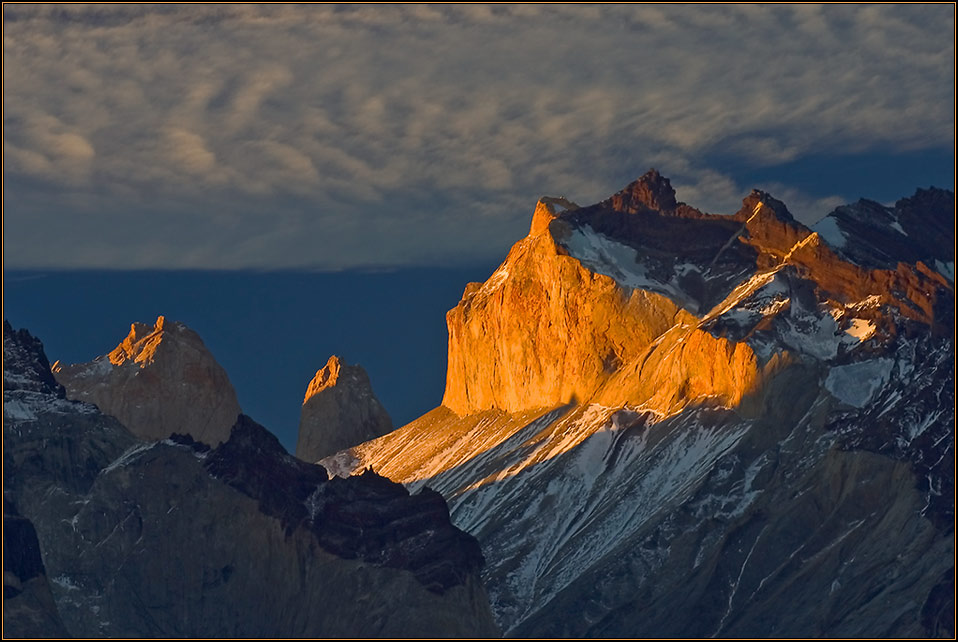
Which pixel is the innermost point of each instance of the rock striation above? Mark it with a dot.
(339, 411)
(159, 380)
(173, 538)
(652, 411)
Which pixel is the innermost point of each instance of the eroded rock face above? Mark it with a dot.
(174, 539)
(160, 380)
(339, 411)
(652, 411)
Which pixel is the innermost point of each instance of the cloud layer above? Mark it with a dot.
(335, 137)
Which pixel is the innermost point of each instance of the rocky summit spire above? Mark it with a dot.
(545, 212)
(161, 379)
(23, 354)
(651, 191)
(339, 411)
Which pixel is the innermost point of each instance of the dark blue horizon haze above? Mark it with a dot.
(271, 331)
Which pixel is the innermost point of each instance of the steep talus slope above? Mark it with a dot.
(159, 380)
(172, 538)
(340, 410)
(651, 411)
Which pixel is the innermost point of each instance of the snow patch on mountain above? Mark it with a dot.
(619, 261)
(495, 281)
(812, 333)
(27, 405)
(16, 410)
(947, 270)
(829, 230)
(129, 456)
(610, 469)
(856, 383)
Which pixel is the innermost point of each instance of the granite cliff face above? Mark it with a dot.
(173, 538)
(599, 295)
(652, 411)
(160, 380)
(339, 411)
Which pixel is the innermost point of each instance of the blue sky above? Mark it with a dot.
(335, 141)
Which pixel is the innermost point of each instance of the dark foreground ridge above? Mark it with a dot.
(174, 539)
(365, 517)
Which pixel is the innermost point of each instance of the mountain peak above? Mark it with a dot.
(651, 191)
(328, 376)
(919, 228)
(161, 379)
(143, 340)
(760, 200)
(545, 212)
(339, 410)
(25, 365)
(627, 384)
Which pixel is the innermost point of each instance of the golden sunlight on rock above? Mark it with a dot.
(159, 380)
(326, 377)
(546, 330)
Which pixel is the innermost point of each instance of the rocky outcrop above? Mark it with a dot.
(652, 411)
(28, 607)
(174, 538)
(160, 380)
(651, 191)
(339, 411)
(26, 372)
(875, 236)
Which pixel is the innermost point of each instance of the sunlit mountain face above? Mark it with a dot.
(651, 408)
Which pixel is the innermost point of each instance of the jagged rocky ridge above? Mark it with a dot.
(172, 538)
(159, 380)
(340, 410)
(652, 411)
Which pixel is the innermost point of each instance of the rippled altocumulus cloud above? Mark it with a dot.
(330, 136)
